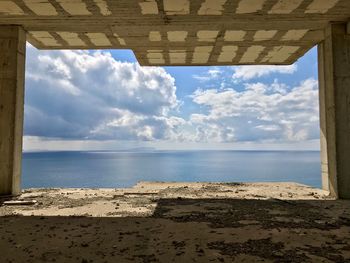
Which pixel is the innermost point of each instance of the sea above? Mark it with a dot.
(88, 169)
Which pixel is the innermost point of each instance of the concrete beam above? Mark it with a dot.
(168, 32)
(12, 68)
(334, 78)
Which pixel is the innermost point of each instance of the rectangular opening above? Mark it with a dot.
(98, 119)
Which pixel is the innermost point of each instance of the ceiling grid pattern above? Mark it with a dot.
(180, 32)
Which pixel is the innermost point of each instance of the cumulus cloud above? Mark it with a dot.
(211, 74)
(251, 72)
(260, 112)
(90, 95)
(81, 95)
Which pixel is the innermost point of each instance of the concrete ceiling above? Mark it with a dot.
(180, 32)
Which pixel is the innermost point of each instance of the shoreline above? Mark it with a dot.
(144, 195)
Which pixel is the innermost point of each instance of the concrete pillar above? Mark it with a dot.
(12, 67)
(334, 78)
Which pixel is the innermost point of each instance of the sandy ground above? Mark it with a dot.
(177, 222)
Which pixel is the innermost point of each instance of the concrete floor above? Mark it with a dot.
(177, 222)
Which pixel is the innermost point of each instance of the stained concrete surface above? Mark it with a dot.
(180, 32)
(177, 222)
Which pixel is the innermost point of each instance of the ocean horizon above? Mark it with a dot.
(124, 168)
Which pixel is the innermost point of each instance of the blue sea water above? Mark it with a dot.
(125, 169)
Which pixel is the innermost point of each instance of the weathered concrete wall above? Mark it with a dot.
(334, 76)
(12, 66)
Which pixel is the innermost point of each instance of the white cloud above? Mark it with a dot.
(211, 74)
(251, 72)
(90, 95)
(259, 112)
(80, 95)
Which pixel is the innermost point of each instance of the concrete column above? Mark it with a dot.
(12, 67)
(334, 78)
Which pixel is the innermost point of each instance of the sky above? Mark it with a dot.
(104, 100)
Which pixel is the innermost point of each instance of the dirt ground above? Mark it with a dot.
(177, 222)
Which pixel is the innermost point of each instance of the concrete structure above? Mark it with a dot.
(334, 78)
(184, 32)
(12, 61)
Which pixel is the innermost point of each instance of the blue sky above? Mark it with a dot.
(103, 100)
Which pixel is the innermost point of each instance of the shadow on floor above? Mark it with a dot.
(187, 230)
